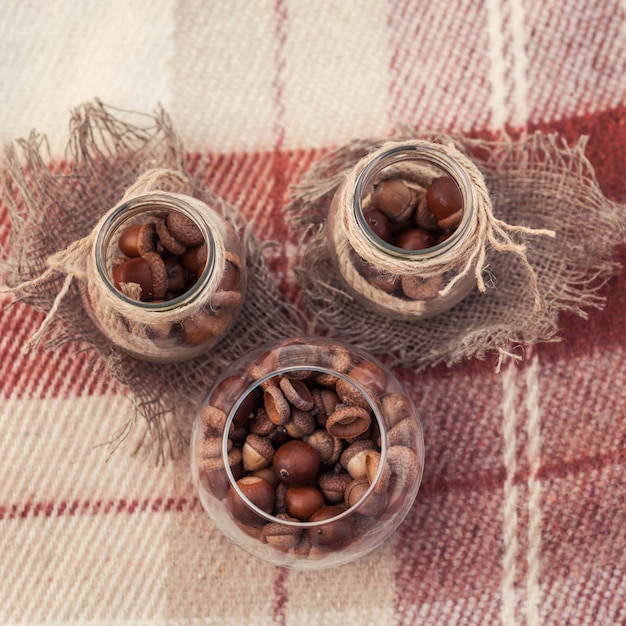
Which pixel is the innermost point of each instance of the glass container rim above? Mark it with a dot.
(394, 155)
(255, 384)
(155, 202)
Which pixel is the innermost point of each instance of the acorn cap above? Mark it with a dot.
(404, 464)
(256, 453)
(373, 505)
(333, 485)
(282, 536)
(212, 322)
(340, 359)
(184, 229)
(326, 400)
(261, 424)
(423, 216)
(349, 394)
(325, 379)
(297, 393)
(372, 463)
(353, 457)
(276, 405)
(300, 424)
(214, 463)
(159, 274)
(417, 288)
(213, 419)
(404, 431)
(211, 447)
(328, 447)
(348, 422)
(394, 407)
(452, 221)
(168, 240)
(145, 238)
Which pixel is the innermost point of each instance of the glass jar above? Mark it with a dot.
(166, 277)
(307, 453)
(402, 229)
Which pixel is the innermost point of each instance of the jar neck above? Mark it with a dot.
(138, 210)
(424, 158)
(272, 372)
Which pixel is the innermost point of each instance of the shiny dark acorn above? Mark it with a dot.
(256, 490)
(443, 197)
(176, 278)
(415, 239)
(302, 502)
(136, 270)
(334, 534)
(378, 223)
(296, 463)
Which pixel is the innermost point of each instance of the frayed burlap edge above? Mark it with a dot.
(535, 183)
(54, 205)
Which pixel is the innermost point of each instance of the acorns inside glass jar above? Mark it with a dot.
(307, 453)
(169, 277)
(399, 228)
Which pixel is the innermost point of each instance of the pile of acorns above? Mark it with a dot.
(409, 218)
(164, 257)
(161, 259)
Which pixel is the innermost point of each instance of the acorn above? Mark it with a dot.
(296, 463)
(302, 502)
(332, 535)
(256, 490)
(184, 229)
(148, 271)
(333, 485)
(373, 505)
(257, 453)
(137, 239)
(395, 199)
(282, 536)
(443, 197)
(348, 421)
(353, 457)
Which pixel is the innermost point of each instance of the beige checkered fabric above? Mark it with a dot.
(521, 518)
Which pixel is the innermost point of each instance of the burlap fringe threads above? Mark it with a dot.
(535, 196)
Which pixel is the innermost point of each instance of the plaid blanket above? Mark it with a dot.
(521, 518)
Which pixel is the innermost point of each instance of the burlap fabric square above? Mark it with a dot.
(543, 243)
(53, 211)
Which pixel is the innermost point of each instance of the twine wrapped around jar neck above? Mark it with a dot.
(467, 255)
(158, 179)
(114, 312)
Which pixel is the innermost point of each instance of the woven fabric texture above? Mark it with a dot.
(521, 518)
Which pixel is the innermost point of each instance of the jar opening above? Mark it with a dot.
(251, 389)
(138, 211)
(416, 166)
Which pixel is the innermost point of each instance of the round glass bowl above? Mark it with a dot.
(167, 277)
(398, 227)
(307, 453)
